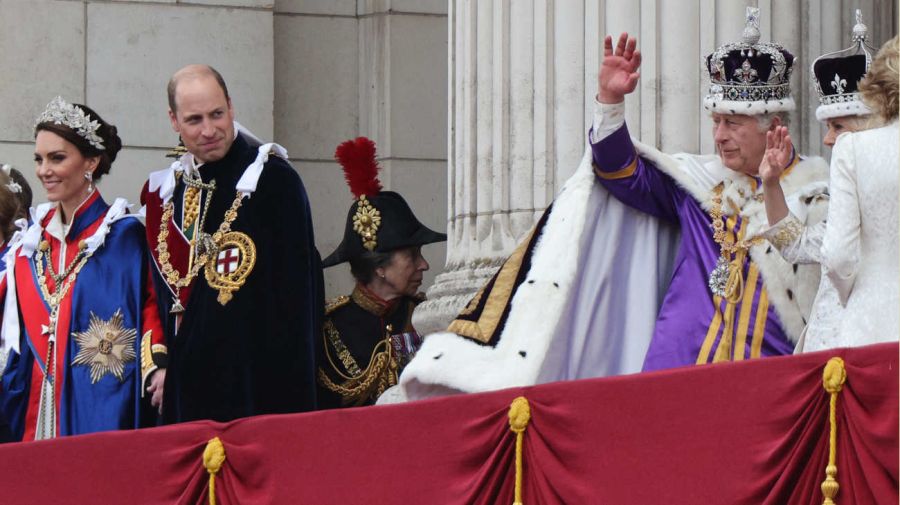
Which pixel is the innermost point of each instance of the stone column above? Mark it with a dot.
(517, 87)
(522, 77)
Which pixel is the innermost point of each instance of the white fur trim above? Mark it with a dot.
(792, 288)
(517, 359)
(807, 195)
(448, 363)
(832, 110)
(749, 108)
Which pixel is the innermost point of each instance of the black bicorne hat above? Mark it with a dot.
(836, 76)
(378, 221)
(749, 77)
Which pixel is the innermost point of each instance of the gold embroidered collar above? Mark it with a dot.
(371, 302)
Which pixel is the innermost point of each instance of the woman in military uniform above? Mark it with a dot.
(368, 337)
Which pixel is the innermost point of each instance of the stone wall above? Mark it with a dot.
(306, 73)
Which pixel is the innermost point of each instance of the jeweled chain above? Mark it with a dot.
(162, 248)
(57, 278)
(718, 226)
(62, 284)
(68, 277)
(721, 276)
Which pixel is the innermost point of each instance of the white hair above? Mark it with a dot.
(765, 120)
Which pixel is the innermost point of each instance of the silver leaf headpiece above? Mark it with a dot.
(59, 111)
(13, 186)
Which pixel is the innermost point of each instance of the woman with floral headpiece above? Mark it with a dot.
(80, 315)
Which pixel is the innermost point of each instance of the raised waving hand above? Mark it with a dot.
(619, 71)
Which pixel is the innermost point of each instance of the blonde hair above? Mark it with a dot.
(879, 88)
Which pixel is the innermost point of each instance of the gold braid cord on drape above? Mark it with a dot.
(758, 431)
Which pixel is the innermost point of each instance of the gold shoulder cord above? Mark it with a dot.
(360, 385)
(336, 303)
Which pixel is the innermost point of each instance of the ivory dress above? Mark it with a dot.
(860, 249)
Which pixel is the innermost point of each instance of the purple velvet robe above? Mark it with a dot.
(689, 327)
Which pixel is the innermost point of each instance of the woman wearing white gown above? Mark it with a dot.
(861, 248)
(836, 77)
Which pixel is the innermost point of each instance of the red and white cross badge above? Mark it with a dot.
(228, 260)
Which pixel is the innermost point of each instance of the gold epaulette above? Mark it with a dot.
(177, 151)
(336, 303)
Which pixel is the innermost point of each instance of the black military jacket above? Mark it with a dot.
(366, 342)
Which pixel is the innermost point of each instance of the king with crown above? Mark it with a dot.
(731, 295)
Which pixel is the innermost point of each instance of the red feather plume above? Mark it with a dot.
(357, 157)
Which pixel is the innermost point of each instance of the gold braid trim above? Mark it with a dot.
(334, 338)
(833, 378)
(380, 374)
(371, 385)
(147, 365)
(789, 230)
(336, 303)
(191, 207)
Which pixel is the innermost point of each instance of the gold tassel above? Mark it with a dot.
(213, 458)
(833, 379)
(519, 416)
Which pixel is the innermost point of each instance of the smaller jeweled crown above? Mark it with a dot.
(836, 76)
(749, 77)
(59, 111)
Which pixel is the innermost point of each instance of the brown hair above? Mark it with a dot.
(879, 88)
(13, 205)
(112, 144)
(194, 71)
(363, 267)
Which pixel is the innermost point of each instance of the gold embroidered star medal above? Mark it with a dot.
(366, 222)
(105, 347)
(233, 264)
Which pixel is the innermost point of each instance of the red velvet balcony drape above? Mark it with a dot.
(752, 432)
